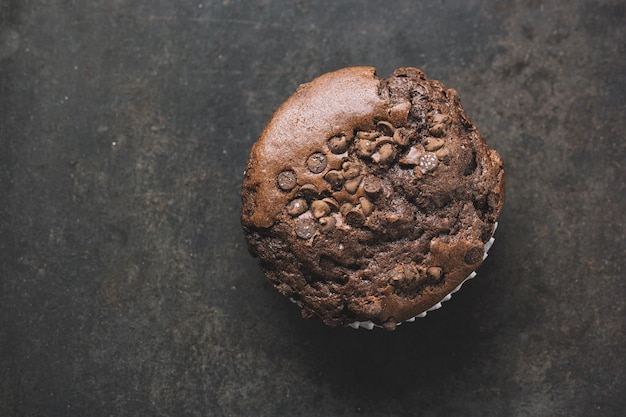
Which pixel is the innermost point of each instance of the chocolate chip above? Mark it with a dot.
(367, 135)
(334, 178)
(338, 144)
(366, 205)
(441, 118)
(306, 228)
(352, 185)
(401, 137)
(319, 209)
(372, 186)
(286, 180)
(442, 153)
(397, 274)
(404, 274)
(345, 208)
(428, 162)
(474, 255)
(365, 148)
(432, 144)
(437, 129)
(385, 154)
(434, 273)
(383, 140)
(317, 163)
(390, 325)
(355, 217)
(297, 206)
(350, 170)
(332, 203)
(308, 191)
(386, 127)
(392, 217)
(327, 223)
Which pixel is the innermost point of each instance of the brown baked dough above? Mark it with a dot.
(370, 199)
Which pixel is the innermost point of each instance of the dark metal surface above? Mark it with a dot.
(126, 288)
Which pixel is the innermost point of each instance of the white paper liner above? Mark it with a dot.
(369, 325)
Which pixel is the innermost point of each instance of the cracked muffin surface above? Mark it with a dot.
(369, 199)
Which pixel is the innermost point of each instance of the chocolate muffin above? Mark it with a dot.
(369, 201)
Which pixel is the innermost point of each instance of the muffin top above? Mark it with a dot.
(370, 199)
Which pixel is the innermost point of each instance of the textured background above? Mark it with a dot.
(125, 285)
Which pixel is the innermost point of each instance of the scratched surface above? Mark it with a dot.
(125, 285)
